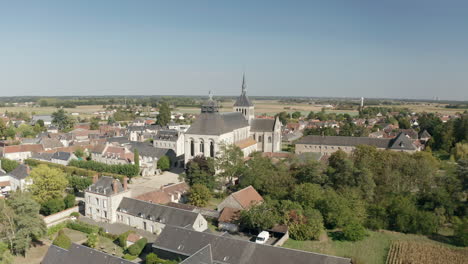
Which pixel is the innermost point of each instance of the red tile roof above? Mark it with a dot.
(229, 215)
(23, 148)
(247, 197)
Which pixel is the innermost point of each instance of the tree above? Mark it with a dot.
(5, 255)
(354, 231)
(201, 170)
(79, 183)
(62, 240)
(199, 195)
(283, 117)
(69, 201)
(136, 159)
(307, 194)
(28, 223)
(164, 163)
(138, 247)
(48, 183)
(403, 123)
(79, 153)
(94, 125)
(164, 116)
(3, 129)
(296, 115)
(93, 240)
(460, 151)
(7, 223)
(230, 162)
(307, 226)
(259, 217)
(62, 120)
(310, 171)
(52, 206)
(8, 165)
(152, 258)
(461, 233)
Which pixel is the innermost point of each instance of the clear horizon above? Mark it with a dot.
(337, 48)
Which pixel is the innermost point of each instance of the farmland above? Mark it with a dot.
(372, 250)
(424, 253)
(82, 110)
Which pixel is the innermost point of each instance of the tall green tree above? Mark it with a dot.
(136, 159)
(48, 183)
(199, 195)
(201, 170)
(94, 125)
(62, 120)
(164, 116)
(230, 162)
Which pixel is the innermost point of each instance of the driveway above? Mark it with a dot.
(146, 184)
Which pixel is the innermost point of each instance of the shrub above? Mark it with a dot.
(8, 165)
(199, 195)
(461, 233)
(164, 163)
(75, 214)
(83, 227)
(54, 229)
(93, 240)
(69, 201)
(62, 240)
(79, 183)
(122, 239)
(123, 169)
(129, 257)
(138, 247)
(52, 206)
(152, 258)
(354, 232)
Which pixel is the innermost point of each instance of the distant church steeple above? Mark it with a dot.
(243, 103)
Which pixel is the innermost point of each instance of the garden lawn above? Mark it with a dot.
(107, 245)
(75, 236)
(372, 250)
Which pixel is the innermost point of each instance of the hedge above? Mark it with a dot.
(122, 239)
(54, 229)
(72, 170)
(62, 240)
(138, 247)
(129, 257)
(83, 227)
(129, 170)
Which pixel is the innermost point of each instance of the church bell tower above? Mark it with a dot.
(243, 104)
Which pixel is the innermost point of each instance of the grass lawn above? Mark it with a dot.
(108, 246)
(213, 202)
(75, 236)
(372, 250)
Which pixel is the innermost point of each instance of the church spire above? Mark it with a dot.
(244, 86)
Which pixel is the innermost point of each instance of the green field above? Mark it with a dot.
(372, 250)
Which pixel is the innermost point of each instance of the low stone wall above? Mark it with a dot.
(282, 240)
(59, 217)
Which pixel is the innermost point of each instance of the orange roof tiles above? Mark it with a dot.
(247, 197)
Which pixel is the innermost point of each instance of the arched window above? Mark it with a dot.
(254, 137)
(259, 138)
(269, 139)
(212, 149)
(192, 148)
(202, 146)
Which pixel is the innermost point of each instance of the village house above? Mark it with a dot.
(182, 243)
(17, 179)
(78, 254)
(20, 152)
(155, 217)
(103, 197)
(172, 193)
(170, 139)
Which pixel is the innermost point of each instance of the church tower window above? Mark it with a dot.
(202, 146)
(212, 149)
(192, 148)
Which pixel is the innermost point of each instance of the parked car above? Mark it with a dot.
(263, 237)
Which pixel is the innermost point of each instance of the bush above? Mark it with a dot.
(122, 239)
(152, 258)
(8, 165)
(75, 214)
(83, 227)
(54, 229)
(79, 183)
(354, 232)
(138, 247)
(93, 240)
(164, 163)
(69, 201)
(129, 257)
(123, 169)
(199, 195)
(52, 206)
(62, 240)
(461, 233)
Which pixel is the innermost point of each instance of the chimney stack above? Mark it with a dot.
(125, 181)
(95, 178)
(115, 187)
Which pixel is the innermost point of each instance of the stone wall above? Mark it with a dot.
(59, 217)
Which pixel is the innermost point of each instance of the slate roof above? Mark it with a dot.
(167, 135)
(344, 141)
(104, 186)
(20, 172)
(51, 143)
(234, 251)
(262, 125)
(61, 155)
(425, 134)
(217, 124)
(202, 256)
(146, 149)
(42, 156)
(402, 142)
(78, 254)
(243, 100)
(120, 140)
(168, 215)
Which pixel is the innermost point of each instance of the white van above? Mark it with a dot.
(263, 237)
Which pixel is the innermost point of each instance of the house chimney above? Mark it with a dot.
(95, 178)
(115, 187)
(125, 181)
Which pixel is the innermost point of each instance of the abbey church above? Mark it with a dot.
(240, 127)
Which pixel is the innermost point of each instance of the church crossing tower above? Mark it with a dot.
(243, 103)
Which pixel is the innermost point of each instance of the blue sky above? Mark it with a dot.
(339, 48)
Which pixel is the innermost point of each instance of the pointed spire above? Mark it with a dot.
(244, 86)
(210, 95)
